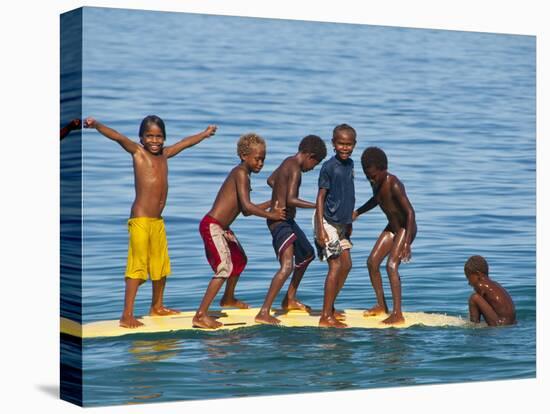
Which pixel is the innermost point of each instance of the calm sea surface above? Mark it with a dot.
(455, 113)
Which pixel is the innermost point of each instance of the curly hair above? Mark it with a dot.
(343, 127)
(476, 264)
(247, 141)
(312, 144)
(374, 156)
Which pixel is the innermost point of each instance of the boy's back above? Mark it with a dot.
(227, 207)
(282, 181)
(499, 299)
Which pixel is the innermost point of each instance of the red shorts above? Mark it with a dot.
(223, 250)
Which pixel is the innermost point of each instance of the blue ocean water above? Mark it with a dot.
(455, 113)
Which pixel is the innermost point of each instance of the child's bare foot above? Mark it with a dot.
(394, 319)
(339, 315)
(129, 321)
(331, 322)
(162, 311)
(295, 304)
(267, 319)
(205, 322)
(375, 311)
(233, 303)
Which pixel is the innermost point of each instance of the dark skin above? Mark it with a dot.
(233, 199)
(490, 300)
(338, 267)
(73, 125)
(285, 181)
(394, 241)
(151, 185)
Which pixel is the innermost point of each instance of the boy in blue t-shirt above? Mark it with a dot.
(333, 218)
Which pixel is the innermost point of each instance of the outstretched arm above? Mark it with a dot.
(369, 205)
(71, 126)
(247, 207)
(179, 146)
(399, 194)
(292, 199)
(110, 133)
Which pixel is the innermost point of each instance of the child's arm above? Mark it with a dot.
(122, 140)
(175, 149)
(265, 205)
(247, 207)
(398, 192)
(321, 234)
(292, 199)
(71, 126)
(369, 205)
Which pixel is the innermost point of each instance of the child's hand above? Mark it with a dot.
(354, 215)
(322, 237)
(406, 253)
(90, 122)
(75, 124)
(210, 130)
(278, 213)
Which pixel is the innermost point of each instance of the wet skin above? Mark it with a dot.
(338, 268)
(151, 187)
(394, 242)
(234, 198)
(285, 181)
(491, 301)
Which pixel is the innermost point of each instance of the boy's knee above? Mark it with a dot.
(474, 297)
(286, 267)
(371, 263)
(392, 266)
(347, 265)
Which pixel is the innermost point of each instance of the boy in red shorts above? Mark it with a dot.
(223, 250)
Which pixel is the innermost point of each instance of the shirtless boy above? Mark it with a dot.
(223, 250)
(291, 245)
(333, 220)
(148, 248)
(490, 299)
(396, 239)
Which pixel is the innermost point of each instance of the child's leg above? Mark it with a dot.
(290, 302)
(478, 306)
(287, 263)
(331, 286)
(345, 268)
(157, 306)
(229, 300)
(127, 320)
(201, 318)
(380, 250)
(392, 267)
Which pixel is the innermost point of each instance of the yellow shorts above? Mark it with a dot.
(147, 249)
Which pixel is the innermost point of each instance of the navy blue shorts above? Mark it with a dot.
(288, 233)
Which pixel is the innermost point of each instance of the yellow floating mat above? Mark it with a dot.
(239, 318)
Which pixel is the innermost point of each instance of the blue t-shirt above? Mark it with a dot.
(337, 177)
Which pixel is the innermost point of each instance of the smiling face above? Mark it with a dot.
(255, 158)
(153, 139)
(344, 143)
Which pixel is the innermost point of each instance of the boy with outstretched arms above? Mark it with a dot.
(333, 220)
(148, 248)
(223, 250)
(291, 245)
(396, 239)
(490, 299)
